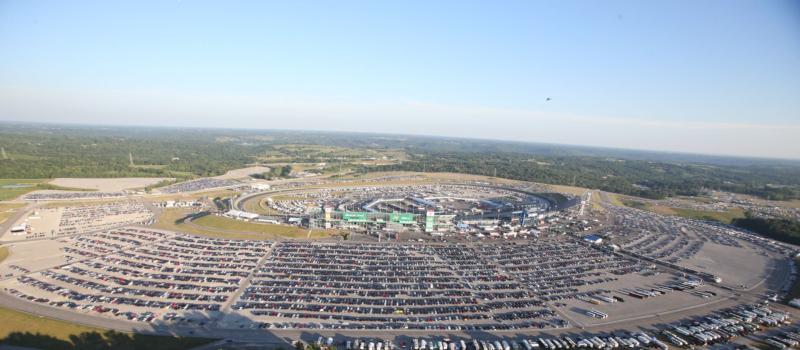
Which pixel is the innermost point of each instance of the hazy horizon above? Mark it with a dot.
(398, 135)
(656, 76)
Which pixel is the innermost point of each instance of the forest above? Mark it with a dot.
(274, 173)
(49, 152)
(41, 151)
(648, 179)
(783, 230)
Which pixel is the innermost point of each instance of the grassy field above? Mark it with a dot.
(662, 209)
(791, 204)
(34, 185)
(7, 209)
(259, 206)
(148, 166)
(635, 204)
(615, 199)
(578, 191)
(219, 227)
(168, 217)
(596, 202)
(296, 150)
(724, 217)
(11, 193)
(271, 230)
(22, 329)
(3, 253)
(15, 321)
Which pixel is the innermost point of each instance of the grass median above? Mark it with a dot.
(27, 330)
(13, 188)
(273, 230)
(8, 209)
(222, 227)
(725, 217)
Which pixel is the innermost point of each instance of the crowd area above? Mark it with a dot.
(198, 185)
(443, 197)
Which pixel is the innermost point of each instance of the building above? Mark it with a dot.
(19, 229)
(259, 186)
(237, 214)
(593, 239)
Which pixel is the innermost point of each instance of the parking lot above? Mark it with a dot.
(198, 185)
(740, 260)
(52, 222)
(139, 274)
(552, 282)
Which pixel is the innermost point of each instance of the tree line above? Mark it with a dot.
(648, 179)
(779, 229)
(49, 151)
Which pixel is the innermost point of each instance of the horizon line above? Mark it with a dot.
(644, 150)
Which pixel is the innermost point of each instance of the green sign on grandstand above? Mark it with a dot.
(429, 222)
(354, 216)
(402, 218)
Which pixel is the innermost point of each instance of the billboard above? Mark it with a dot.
(328, 211)
(354, 216)
(402, 218)
(429, 221)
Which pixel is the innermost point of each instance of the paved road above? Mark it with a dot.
(6, 225)
(244, 284)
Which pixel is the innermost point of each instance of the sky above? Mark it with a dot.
(712, 77)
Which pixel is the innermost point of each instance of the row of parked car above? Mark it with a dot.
(140, 271)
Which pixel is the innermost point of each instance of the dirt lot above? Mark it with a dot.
(42, 222)
(632, 307)
(735, 266)
(33, 256)
(243, 172)
(107, 185)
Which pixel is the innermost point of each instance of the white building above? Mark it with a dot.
(593, 239)
(238, 214)
(260, 186)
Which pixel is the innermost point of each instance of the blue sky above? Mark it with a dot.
(719, 77)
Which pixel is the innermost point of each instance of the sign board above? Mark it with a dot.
(402, 218)
(354, 216)
(429, 221)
